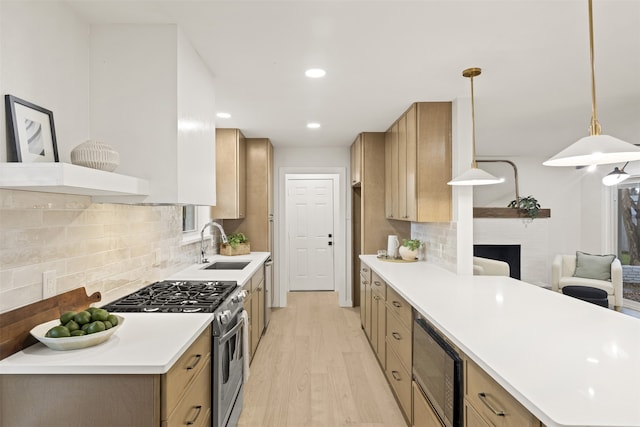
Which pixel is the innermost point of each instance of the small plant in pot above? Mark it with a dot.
(409, 249)
(528, 205)
(237, 244)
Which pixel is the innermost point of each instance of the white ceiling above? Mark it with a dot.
(533, 97)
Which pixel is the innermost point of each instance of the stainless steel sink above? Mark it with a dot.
(227, 265)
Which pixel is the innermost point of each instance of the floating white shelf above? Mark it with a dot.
(66, 178)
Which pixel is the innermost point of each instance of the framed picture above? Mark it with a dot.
(32, 135)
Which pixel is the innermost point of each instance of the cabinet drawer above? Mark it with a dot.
(472, 418)
(399, 339)
(488, 398)
(183, 372)
(399, 306)
(195, 406)
(378, 286)
(423, 414)
(365, 272)
(400, 380)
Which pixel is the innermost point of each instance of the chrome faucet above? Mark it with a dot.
(203, 248)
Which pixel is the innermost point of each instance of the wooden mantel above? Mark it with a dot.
(507, 213)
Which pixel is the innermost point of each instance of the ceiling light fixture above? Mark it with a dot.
(595, 149)
(616, 176)
(474, 176)
(315, 73)
(223, 115)
(313, 125)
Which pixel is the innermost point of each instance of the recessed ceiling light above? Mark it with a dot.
(313, 125)
(224, 115)
(315, 73)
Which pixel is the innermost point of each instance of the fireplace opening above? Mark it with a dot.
(507, 253)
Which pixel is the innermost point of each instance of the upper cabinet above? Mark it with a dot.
(231, 182)
(152, 99)
(356, 150)
(418, 164)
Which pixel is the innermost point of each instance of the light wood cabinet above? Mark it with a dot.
(399, 349)
(472, 418)
(257, 224)
(379, 317)
(254, 306)
(493, 403)
(364, 278)
(370, 227)
(231, 167)
(419, 164)
(423, 413)
(179, 397)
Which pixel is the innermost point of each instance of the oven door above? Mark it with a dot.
(228, 357)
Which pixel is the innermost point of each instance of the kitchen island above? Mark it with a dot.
(570, 363)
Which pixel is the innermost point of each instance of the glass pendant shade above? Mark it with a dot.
(475, 176)
(595, 150)
(615, 177)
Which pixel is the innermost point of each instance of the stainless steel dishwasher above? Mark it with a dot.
(268, 290)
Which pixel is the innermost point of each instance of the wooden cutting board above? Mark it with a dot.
(16, 324)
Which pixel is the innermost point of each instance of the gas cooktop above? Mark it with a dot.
(174, 296)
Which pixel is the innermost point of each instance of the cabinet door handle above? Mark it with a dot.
(197, 358)
(396, 304)
(365, 282)
(396, 375)
(193, 420)
(365, 269)
(396, 335)
(377, 283)
(483, 399)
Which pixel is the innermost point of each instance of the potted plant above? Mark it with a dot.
(528, 205)
(409, 249)
(237, 244)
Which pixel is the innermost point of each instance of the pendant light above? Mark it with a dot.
(595, 149)
(474, 176)
(616, 176)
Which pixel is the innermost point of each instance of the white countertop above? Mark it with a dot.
(569, 362)
(197, 271)
(147, 343)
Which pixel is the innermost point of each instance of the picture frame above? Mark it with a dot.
(31, 132)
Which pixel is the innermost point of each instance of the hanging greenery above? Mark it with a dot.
(527, 204)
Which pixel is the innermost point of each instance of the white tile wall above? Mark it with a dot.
(104, 247)
(440, 242)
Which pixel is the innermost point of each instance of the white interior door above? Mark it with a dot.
(310, 230)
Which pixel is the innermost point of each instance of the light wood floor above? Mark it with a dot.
(314, 367)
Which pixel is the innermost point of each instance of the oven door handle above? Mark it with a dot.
(224, 338)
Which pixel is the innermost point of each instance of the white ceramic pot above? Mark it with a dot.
(95, 155)
(408, 254)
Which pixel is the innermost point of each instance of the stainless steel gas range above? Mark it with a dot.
(224, 300)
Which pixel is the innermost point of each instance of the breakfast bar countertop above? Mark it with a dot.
(569, 362)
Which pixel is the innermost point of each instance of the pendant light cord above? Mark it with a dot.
(473, 127)
(594, 128)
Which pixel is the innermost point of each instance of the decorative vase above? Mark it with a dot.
(95, 155)
(407, 254)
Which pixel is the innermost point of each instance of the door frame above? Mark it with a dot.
(338, 176)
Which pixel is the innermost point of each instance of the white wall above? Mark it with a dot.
(310, 160)
(44, 48)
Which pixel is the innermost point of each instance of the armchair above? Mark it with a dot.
(489, 267)
(564, 266)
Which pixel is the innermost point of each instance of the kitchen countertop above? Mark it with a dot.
(147, 343)
(569, 362)
(196, 271)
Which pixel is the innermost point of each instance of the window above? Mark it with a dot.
(193, 219)
(628, 238)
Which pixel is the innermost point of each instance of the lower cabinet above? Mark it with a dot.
(400, 379)
(379, 318)
(182, 396)
(254, 306)
(423, 414)
(491, 403)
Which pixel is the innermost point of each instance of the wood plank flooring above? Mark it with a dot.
(314, 367)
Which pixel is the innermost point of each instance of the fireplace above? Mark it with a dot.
(507, 253)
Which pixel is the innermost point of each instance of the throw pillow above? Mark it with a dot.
(596, 267)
